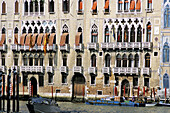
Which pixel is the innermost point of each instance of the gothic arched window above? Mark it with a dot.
(118, 59)
(148, 32)
(126, 34)
(93, 60)
(139, 34)
(166, 52)
(166, 16)
(124, 58)
(94, 34)
(119, 34)
(107, 60)
(166, 81)
(147, 60)
(106, 38)
(79, 60)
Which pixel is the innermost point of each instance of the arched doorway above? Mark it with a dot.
(78, 81)
(125, 83)
(34, 86)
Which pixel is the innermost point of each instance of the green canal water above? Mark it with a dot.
(68, 107)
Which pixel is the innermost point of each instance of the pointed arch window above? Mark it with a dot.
(139, 34)
(3, 60)
(147, 60)
(106, 38)
(80, 5)
(64, 60)
(136, 60)
(166, 81)
(138, 5)
(119, 34)
(26, 7)
(132, 34)
(36, 60)
(30, 60)
(16, 35)
(130, 60)
(79, 60)
(41, 60)
(16, 7)
(51, 6)
(106, 7)
(3, 37)
(120, 5)
(148, 32)
(66, 5)
(31, 6)
(149, 4)
(107, 60)
(94, 7)
(126, 34)
(124, 58)
(36, 6)
(94, 34)
(41, 6)
(126, 5)
(50, 60)
(15, 60)
(93, 60)
(25, 60)
(118, 59)
(167, 16)
(132, 5)
(166, 52)
(3, 7)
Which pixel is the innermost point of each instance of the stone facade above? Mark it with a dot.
(105, 78)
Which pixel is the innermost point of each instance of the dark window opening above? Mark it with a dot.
(31, 6)
(93, 60)
(36, 6)
(51, 6)
(41, 61)
(135, 81)
(50, 61)
(3, 60)
(42, 6)
(64, 78)
(155, 53)
(50, 78)
(79, 60)
(107, 61)
(146, 82)
(106, 79)
(93, 79)
(99, 92)
(41, 80)
(64, 60)
(25, 80)
(66, 6)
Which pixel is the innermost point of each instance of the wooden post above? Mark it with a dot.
(23, 90)
(52, 91)
(3, 92)
(32, 90)
(0, 90)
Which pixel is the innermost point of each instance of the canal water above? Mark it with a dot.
(68, 107)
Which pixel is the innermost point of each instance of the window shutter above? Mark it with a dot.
(16, 7)
(3, 8)
(68, 5)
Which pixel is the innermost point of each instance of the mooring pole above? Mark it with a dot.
(14, 73)
(17, 92)
(3, 92)
(0, 90)
(8, 91)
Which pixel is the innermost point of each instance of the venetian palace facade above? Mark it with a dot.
(94, 46)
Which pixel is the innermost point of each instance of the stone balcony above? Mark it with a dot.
(49, 69)
(66, 48)
(79, 48)
(78, 69)
(93, 46)
(92, 70)
(64, 69)
(52, 48)
(146, 71)
(32, 69)
(106, 70)
(147, 45)
(3, 47)
(3, 69)
(14, 47)
(126, 70)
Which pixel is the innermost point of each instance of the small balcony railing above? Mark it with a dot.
(52, 48)
(14, 47)
(31, 69)
(78, 69)
(126, 70)
(49, 69)
(3, 47)
(93, 46)
(64, 69)
(66, 47)
(92, 70)
(106, 70)
(146, 71)
(147, 45)
(79, 48)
